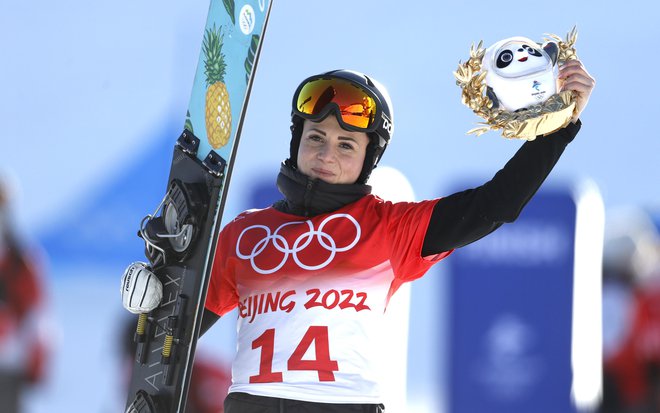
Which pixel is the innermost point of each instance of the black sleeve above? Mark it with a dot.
(208, 319)
(464, 217)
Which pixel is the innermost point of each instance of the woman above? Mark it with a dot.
(312, 274)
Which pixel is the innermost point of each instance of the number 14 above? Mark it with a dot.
(322, 364)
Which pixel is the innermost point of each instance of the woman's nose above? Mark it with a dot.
(325, 152)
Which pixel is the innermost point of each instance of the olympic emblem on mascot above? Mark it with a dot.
(303, 241)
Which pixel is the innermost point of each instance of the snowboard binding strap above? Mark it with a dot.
(171, 234)
(143, 403)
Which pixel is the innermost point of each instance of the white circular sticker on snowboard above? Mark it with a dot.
(246, 19)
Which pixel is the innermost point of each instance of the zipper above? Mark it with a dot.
(309, 187)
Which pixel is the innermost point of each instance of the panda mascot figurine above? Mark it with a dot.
(521, 73)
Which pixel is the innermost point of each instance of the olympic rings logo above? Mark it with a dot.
(280, 243)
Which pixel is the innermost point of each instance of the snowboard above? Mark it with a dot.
(180, 235)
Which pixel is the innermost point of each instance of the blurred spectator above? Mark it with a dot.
(22, 345)
(209, 382)
(631, 315)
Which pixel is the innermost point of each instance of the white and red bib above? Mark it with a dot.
(311, 294)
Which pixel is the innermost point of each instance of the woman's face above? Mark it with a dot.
(330, 153)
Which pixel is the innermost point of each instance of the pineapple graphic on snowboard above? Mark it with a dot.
(218, 110)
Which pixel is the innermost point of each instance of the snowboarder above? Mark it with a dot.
(312, 274)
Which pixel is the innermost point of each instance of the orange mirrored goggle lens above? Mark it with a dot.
(356, 107)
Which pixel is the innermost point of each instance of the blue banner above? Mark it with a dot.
(101, 229)
(511, 309)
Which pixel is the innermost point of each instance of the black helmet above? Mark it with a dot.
(376, 121)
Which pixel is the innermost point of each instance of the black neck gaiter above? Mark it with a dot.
(309, 197)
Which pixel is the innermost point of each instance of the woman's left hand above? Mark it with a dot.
(574, 76)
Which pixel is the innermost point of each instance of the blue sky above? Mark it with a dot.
(84, 86)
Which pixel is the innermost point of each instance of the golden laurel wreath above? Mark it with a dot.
(528, 123)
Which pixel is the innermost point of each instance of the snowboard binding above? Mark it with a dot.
(143, 403)
(171, 235)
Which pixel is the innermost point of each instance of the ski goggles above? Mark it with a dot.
(359, 109)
